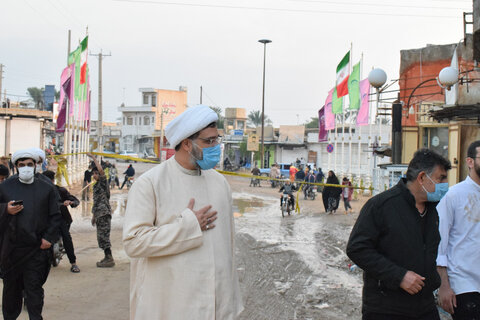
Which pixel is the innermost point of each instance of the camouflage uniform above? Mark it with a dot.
(102, 212)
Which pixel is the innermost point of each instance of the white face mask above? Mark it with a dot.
(39, 168)
(26, 174)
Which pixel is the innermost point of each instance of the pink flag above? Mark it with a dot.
(329, 116)
(66, 94)
(72, 91)
(322, 133)
(364, 112)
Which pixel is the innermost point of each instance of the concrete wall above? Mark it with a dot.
(21, 133)
(172, 102)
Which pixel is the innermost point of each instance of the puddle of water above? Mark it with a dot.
(82, 214)
(242, 205)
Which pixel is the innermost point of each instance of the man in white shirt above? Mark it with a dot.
(458, 258)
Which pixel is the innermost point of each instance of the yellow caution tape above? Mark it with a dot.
(107, 155)
(244, 175)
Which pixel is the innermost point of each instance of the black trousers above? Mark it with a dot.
(468, 306)
(124, 181)
(67, 241)
(29, 279)
(431, 315)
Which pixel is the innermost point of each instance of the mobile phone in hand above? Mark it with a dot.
(17, 203)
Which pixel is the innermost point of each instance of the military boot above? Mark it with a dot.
(106, 262)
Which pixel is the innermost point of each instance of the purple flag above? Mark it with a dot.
(322, 132)
(364, 112)
(329, 116)
(66, 93)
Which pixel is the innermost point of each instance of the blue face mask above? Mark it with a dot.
(440, 190)
(211, 156)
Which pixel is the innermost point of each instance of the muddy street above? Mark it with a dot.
(289, 268)
(293, 267)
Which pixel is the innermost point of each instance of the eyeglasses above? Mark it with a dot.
(217, 139)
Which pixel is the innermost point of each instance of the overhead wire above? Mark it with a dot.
(378, 5)
(77, 22)
(284, 9)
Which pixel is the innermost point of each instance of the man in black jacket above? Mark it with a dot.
(395, 241)
(66, 199)
(28, 236)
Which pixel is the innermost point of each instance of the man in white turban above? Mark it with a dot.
(40, 159)
(179, 230)
(28, 228)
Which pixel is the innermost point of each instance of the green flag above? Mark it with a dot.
(337, 103)
(78, 57)
(354, 87)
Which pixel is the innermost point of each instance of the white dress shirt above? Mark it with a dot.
(459, 249)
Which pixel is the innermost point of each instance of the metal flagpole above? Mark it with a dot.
(335, 148)
(360, 127)
(67, 135)
(350, 125)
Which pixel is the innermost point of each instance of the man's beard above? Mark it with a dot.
(195, 154)
(476, 168)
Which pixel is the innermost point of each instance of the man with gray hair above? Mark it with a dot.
(395, 241)
(179, 230)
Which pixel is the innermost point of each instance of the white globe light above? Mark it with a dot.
(377, 78)
(448, 76)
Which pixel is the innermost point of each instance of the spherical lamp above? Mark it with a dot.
(377, 78)
(448, 77)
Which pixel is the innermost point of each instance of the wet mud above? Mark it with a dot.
(293, 267)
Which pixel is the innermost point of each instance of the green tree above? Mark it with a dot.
(37, 95)
(313, 123)
(221, 118)
(255, 119)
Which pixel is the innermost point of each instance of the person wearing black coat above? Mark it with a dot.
(66, 199)
(25, 264)
(331, 195)
(395, 241)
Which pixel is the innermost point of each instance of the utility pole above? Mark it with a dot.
(201, 93)
(1, 77)
(161, 133)
(100, 107)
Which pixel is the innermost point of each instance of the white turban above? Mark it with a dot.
(39, 153)
(25, 153)
(189, 122)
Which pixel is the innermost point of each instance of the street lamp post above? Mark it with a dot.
(377, 78)
(262, 154)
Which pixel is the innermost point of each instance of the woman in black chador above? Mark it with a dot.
(331, 195)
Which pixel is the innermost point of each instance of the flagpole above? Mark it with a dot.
(84, 158)
(350, 125)
(329, 153)
(335, 149)
(369, 137)
(360, 127)
(67, 134)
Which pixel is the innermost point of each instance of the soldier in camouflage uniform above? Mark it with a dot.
(102, 213)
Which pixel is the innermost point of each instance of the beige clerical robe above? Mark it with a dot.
(177, 270)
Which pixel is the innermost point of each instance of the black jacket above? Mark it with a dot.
(65, 195)
(40, 217)
(386, 242)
